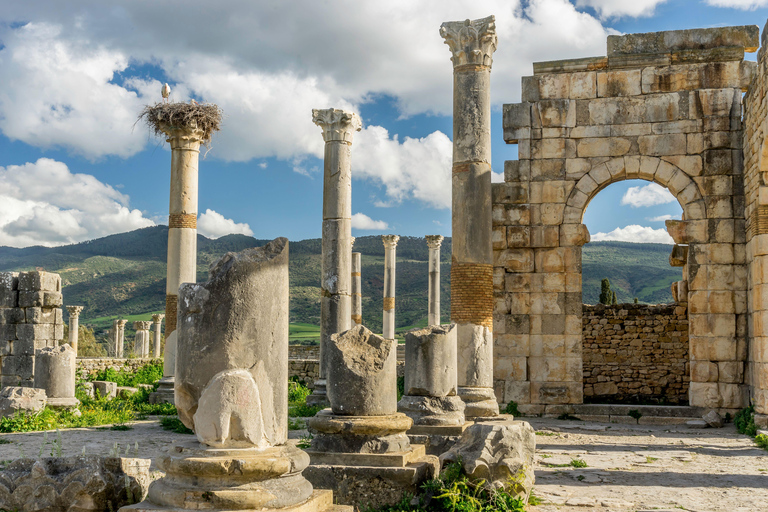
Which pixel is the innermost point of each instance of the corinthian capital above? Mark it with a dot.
(336, 124)
(471, 42)
(390, 241)
(74, 311)
(434, 241)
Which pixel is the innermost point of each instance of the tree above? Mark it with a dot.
(605, 291)
(613, 298)
(87, 345)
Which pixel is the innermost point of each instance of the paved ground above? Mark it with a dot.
(629, 468)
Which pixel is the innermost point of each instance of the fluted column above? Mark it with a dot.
(390, 257)
(336, 272)
(74, 325)
(120, 337)
(157, 320)
(434, 242)
(472, 44)
(141, 341)
(182, 227)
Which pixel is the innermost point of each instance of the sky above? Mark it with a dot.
(75, 165)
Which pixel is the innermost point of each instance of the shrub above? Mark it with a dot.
(148, 374)
(512, 409)
(297, 391)
(745, 421)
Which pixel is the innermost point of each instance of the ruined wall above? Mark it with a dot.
(30, 319)
(635, 353)
(663, 107)
(756, 188)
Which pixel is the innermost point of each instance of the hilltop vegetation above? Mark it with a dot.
(124, 275)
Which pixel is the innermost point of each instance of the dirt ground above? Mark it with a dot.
(628, 468)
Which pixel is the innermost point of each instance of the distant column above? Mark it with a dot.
(434, 242)
(115, 337)
(336, 273)
(357, 289)
(158, 321)
(472, 44)
(141, 343)
(390, 255)
(74, 325)
(121, 337)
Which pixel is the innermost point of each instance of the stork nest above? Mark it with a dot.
(206, 116)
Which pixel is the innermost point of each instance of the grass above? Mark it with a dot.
(174, 424)
(300, 331)
(148, 374)
(575, 463)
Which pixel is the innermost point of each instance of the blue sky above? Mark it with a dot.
(74, 76)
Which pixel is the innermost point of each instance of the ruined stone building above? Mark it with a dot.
(682, 109)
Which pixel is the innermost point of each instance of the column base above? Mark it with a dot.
(480, 402)
(359, 434)
(64, 403)
(164, 393)
(319, 396)
(444, 411)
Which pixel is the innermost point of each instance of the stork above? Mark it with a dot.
(165, 91)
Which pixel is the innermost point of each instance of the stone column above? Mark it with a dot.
(141, 342)
(158, 320)
(120, 345)
(434, 242)
(357, 289)
(55, 373)
(390, 257)
(336, 273)
(74, 325)
(115, 337)
(472, 44)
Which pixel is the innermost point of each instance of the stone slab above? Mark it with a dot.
(747, 37)
(320, 501)
(396, 459)
(439, 430)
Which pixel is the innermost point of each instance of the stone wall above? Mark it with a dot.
(303, 351)
(635, 353)
(662, 107)
(756, 191)
(87, 366)
(30, 319)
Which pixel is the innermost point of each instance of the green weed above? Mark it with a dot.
(745, 421)
(174, 424)
(512, 409)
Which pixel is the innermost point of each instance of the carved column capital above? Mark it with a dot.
(390, 241)
(472, 42)
(158, 318)
(142, 325)
(352, 242)
(121, 324)
(434, 241)
(183, 137)
(74, 311)
(337, 125)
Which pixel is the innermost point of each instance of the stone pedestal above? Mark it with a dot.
(157, 321)
(434, 242)
(141, 342)
(472, 44)
(390, 258)
(336, 271)
(55, 373)
(74, 325)
(360, 448)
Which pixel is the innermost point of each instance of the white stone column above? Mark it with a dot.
(357, 289)
(472, 44)
(74, 325)
(157, 320)
(141, 341)
(390, 257)
(120, 337)
(336, 272)
(434, 242)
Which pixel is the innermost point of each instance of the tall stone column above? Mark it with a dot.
(141, 342)
(74, 325)
(120, 345)
(390, 256)
(434, 242)
(157, 320)
(114, 336)
(472, 44)
(336, 273)
(357, 289)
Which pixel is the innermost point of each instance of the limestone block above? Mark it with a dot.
(517, 391)
(430, 361)
(656, 145)
(510, 193)
(433, 410)
(500, 454)
(15, 399)
(551, 168)
(556, 392)
(362, 370)
(746, 37)
(704, 371)
(555, 113)
(517, 121)
(711, 75)
(237, 320)
(517, 170)
(595, 147)
(39, 281)
(619, 83)
(679, 255)
(105, 389)
(545, 236)
(125, 392)
(687, 232)
(548, 148)
(84, 483)
(575, 168)
(55, 371)
(731, 371)
(515, 260)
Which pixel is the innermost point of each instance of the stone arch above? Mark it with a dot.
(654, 169)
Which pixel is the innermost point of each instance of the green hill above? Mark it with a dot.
(124, 275)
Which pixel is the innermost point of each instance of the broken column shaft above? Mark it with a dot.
(472, 44)
(74, 325)
(390, 257)
(120, 337)
(433, 242)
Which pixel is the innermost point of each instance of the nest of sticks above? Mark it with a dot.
(206, 116)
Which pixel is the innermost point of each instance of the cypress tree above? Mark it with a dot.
(613, 298)
(605, 291)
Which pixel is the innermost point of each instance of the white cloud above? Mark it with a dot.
(43, 203)
(746, 5)
(362, 221)
(617, 8)
(660, 218)
(635, 233)
(212, 224)
(648, 195)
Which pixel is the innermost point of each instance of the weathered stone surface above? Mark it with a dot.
(55, 371)
(15, 399)
(104, 388)
(128, 391)
(430, 361)
(713, 419)
(88, 483)
(360, 434)
(746, 37)
(500, 453)
(433, 410)
(362, 373)
(237, 320)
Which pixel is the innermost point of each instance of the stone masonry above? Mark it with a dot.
(636, 353)
(30, 319)
(663, 107)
